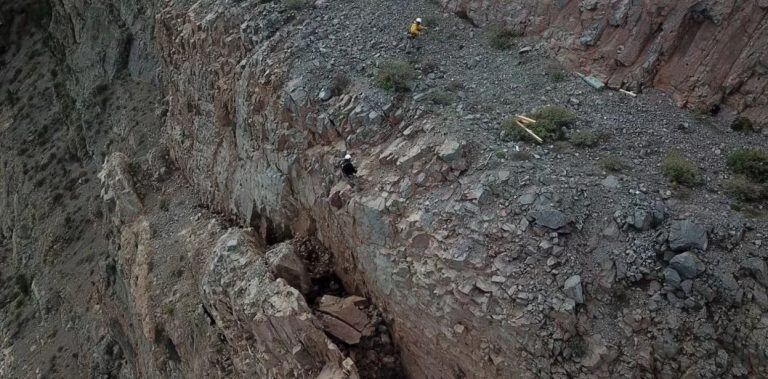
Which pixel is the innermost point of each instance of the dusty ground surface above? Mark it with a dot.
(506, 258)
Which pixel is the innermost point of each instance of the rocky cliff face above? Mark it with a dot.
(189, 218)
(704, 53)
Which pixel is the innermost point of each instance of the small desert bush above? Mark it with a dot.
(555, 72)
(747, 191)
(752, 163)
(742, 124)
(585, 139)
(396, 75)
(502, 37)
(558, 116)
(557, 76)
(612, 163)
(680, 170)
(440, 97)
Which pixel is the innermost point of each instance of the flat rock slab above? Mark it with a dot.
(343, 318)
(685, 235)
(593, 82)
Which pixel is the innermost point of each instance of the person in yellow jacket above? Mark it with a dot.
(416, 28)
(414, 31)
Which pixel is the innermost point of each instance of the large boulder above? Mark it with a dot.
(687, 264)
(573, 289)
(757, 268)
(685, 235)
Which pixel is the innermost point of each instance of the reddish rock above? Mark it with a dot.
(702, 53)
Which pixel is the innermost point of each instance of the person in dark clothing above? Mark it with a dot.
(347, 168)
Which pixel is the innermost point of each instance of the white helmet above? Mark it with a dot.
(418, 20)
(347, 156)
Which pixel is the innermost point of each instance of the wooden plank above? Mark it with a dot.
(630, 93)
(537, 138)
(525, 120)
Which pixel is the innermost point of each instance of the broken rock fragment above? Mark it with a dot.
(573, 290)
(552, 219)
(344, 319)
(687, 265)
(449, 151)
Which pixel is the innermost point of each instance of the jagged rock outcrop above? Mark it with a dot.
(118, 192)
(704, 53)
(268, 323)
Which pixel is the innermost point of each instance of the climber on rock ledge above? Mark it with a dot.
(347, 168)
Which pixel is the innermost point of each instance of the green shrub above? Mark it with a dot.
(558, 116)
(612, 163)
(296, 5)
(502, 37)
(396, 75)
(746, 191)
(742, 124)
(751, 163)
(549, 125)
(440, 97)
(557, 76)
(585, 139)
(680, 170)
(501, 154)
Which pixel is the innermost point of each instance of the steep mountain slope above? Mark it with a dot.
(196, 223)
